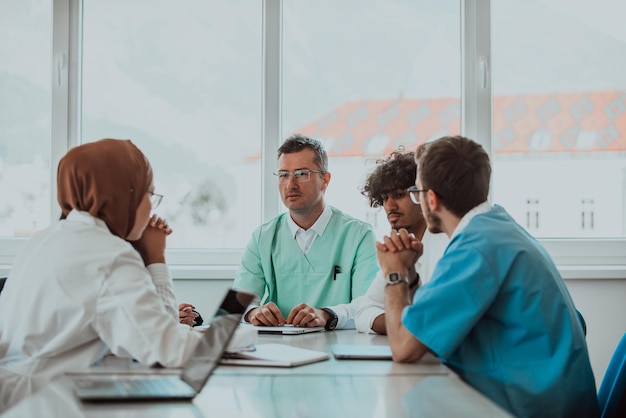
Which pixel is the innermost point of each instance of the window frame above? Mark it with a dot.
(576, 258)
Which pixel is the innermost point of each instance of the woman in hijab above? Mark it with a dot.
(94, 281)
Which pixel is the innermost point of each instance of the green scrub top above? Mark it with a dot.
(339, 266)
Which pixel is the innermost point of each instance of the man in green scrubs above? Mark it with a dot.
(308, 264)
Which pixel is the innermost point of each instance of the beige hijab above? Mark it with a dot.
(107, 178)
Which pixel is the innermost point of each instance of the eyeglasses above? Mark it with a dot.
(300, 176)
(414, 192)
(155, 199)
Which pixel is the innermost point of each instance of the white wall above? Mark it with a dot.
(603, 305)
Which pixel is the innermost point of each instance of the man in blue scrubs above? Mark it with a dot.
(496, 310)
(309, 263)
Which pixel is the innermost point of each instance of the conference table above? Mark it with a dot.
(330, 388)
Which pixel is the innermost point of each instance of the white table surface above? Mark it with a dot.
(331, 388)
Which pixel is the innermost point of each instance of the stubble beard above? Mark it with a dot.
(432, 220)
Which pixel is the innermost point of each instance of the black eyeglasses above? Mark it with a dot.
(300, 176)
(155, 199)
(414, 192)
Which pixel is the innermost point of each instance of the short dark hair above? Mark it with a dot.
(396, 172)
(298, 142)
(458, 170)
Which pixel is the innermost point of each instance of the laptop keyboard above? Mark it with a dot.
(155, 386)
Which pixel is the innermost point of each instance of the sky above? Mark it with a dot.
(594, 14)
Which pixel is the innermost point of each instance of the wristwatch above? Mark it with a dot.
(331, 324)
(395, 278)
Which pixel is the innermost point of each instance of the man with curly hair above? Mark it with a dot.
(386, 187)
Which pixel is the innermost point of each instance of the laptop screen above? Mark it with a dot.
(209, 350)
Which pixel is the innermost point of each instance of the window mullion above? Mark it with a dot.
(65, 80)
(476, 71)
(272, 79)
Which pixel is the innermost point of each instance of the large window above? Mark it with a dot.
(375, 77)
(183, 81)
(208, 90)
(559, 115)
(25, 28)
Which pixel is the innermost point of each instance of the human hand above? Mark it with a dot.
(160, 224)
(267, 314)
(186, 314)
(399, 252)
(151, 245)
(304, 315)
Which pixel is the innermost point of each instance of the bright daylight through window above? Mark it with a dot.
(189, 91)
(25, 28)
(363, 98)
(559, 116)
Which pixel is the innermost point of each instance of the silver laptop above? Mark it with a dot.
(286, 329)
(361, 352)
(206, 356)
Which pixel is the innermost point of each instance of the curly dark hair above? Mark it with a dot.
(396, 172)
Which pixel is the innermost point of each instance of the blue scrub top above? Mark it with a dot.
(499, 314)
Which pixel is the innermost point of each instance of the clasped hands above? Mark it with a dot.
(186, 314)
(398, 252)
(301, 315)
(151, 245)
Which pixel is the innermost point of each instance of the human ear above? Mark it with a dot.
(433, 200)
(325, 180)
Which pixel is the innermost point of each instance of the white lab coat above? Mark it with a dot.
(75, 292)
(372, 304)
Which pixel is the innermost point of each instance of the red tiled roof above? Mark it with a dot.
(540, 123)
(373, 127)
(572, 122)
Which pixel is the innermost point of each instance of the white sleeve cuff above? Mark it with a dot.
(160, 274)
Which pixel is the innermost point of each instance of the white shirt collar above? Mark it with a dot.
(465, 220)
(82, 217)
(319, 226)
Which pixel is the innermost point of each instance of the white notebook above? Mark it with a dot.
(274, 355)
